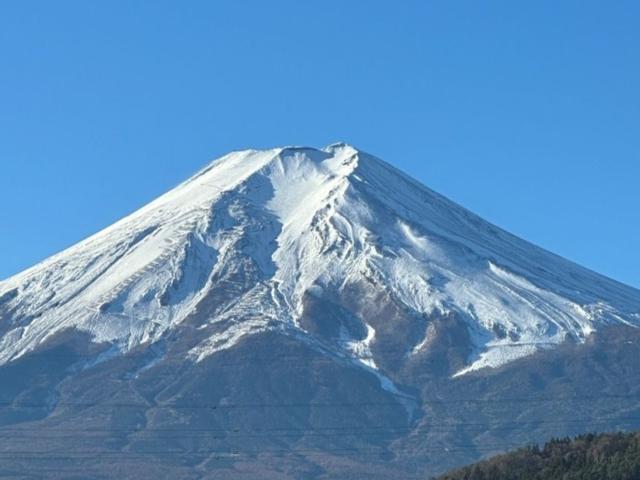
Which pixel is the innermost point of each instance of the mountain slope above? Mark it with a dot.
(306, 312)
(274, 227)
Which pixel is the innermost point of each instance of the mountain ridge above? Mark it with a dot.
(287, 194)
(305, 313)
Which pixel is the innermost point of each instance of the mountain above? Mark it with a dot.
(587, 457)
(303, 312)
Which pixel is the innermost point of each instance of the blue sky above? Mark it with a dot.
(527, 113)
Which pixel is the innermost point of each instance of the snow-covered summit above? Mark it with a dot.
(246, 243)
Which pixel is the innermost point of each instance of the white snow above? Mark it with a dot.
(240, 244)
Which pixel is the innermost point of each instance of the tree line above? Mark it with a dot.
(609, 456)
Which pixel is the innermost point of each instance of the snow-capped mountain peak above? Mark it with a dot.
(259, 239)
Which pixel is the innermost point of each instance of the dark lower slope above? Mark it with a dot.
(272, 407)
(269, 408)
(575, 389)
(587, 457)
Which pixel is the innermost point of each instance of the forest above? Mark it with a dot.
(610, 456)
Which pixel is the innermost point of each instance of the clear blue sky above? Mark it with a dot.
(527, 113)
